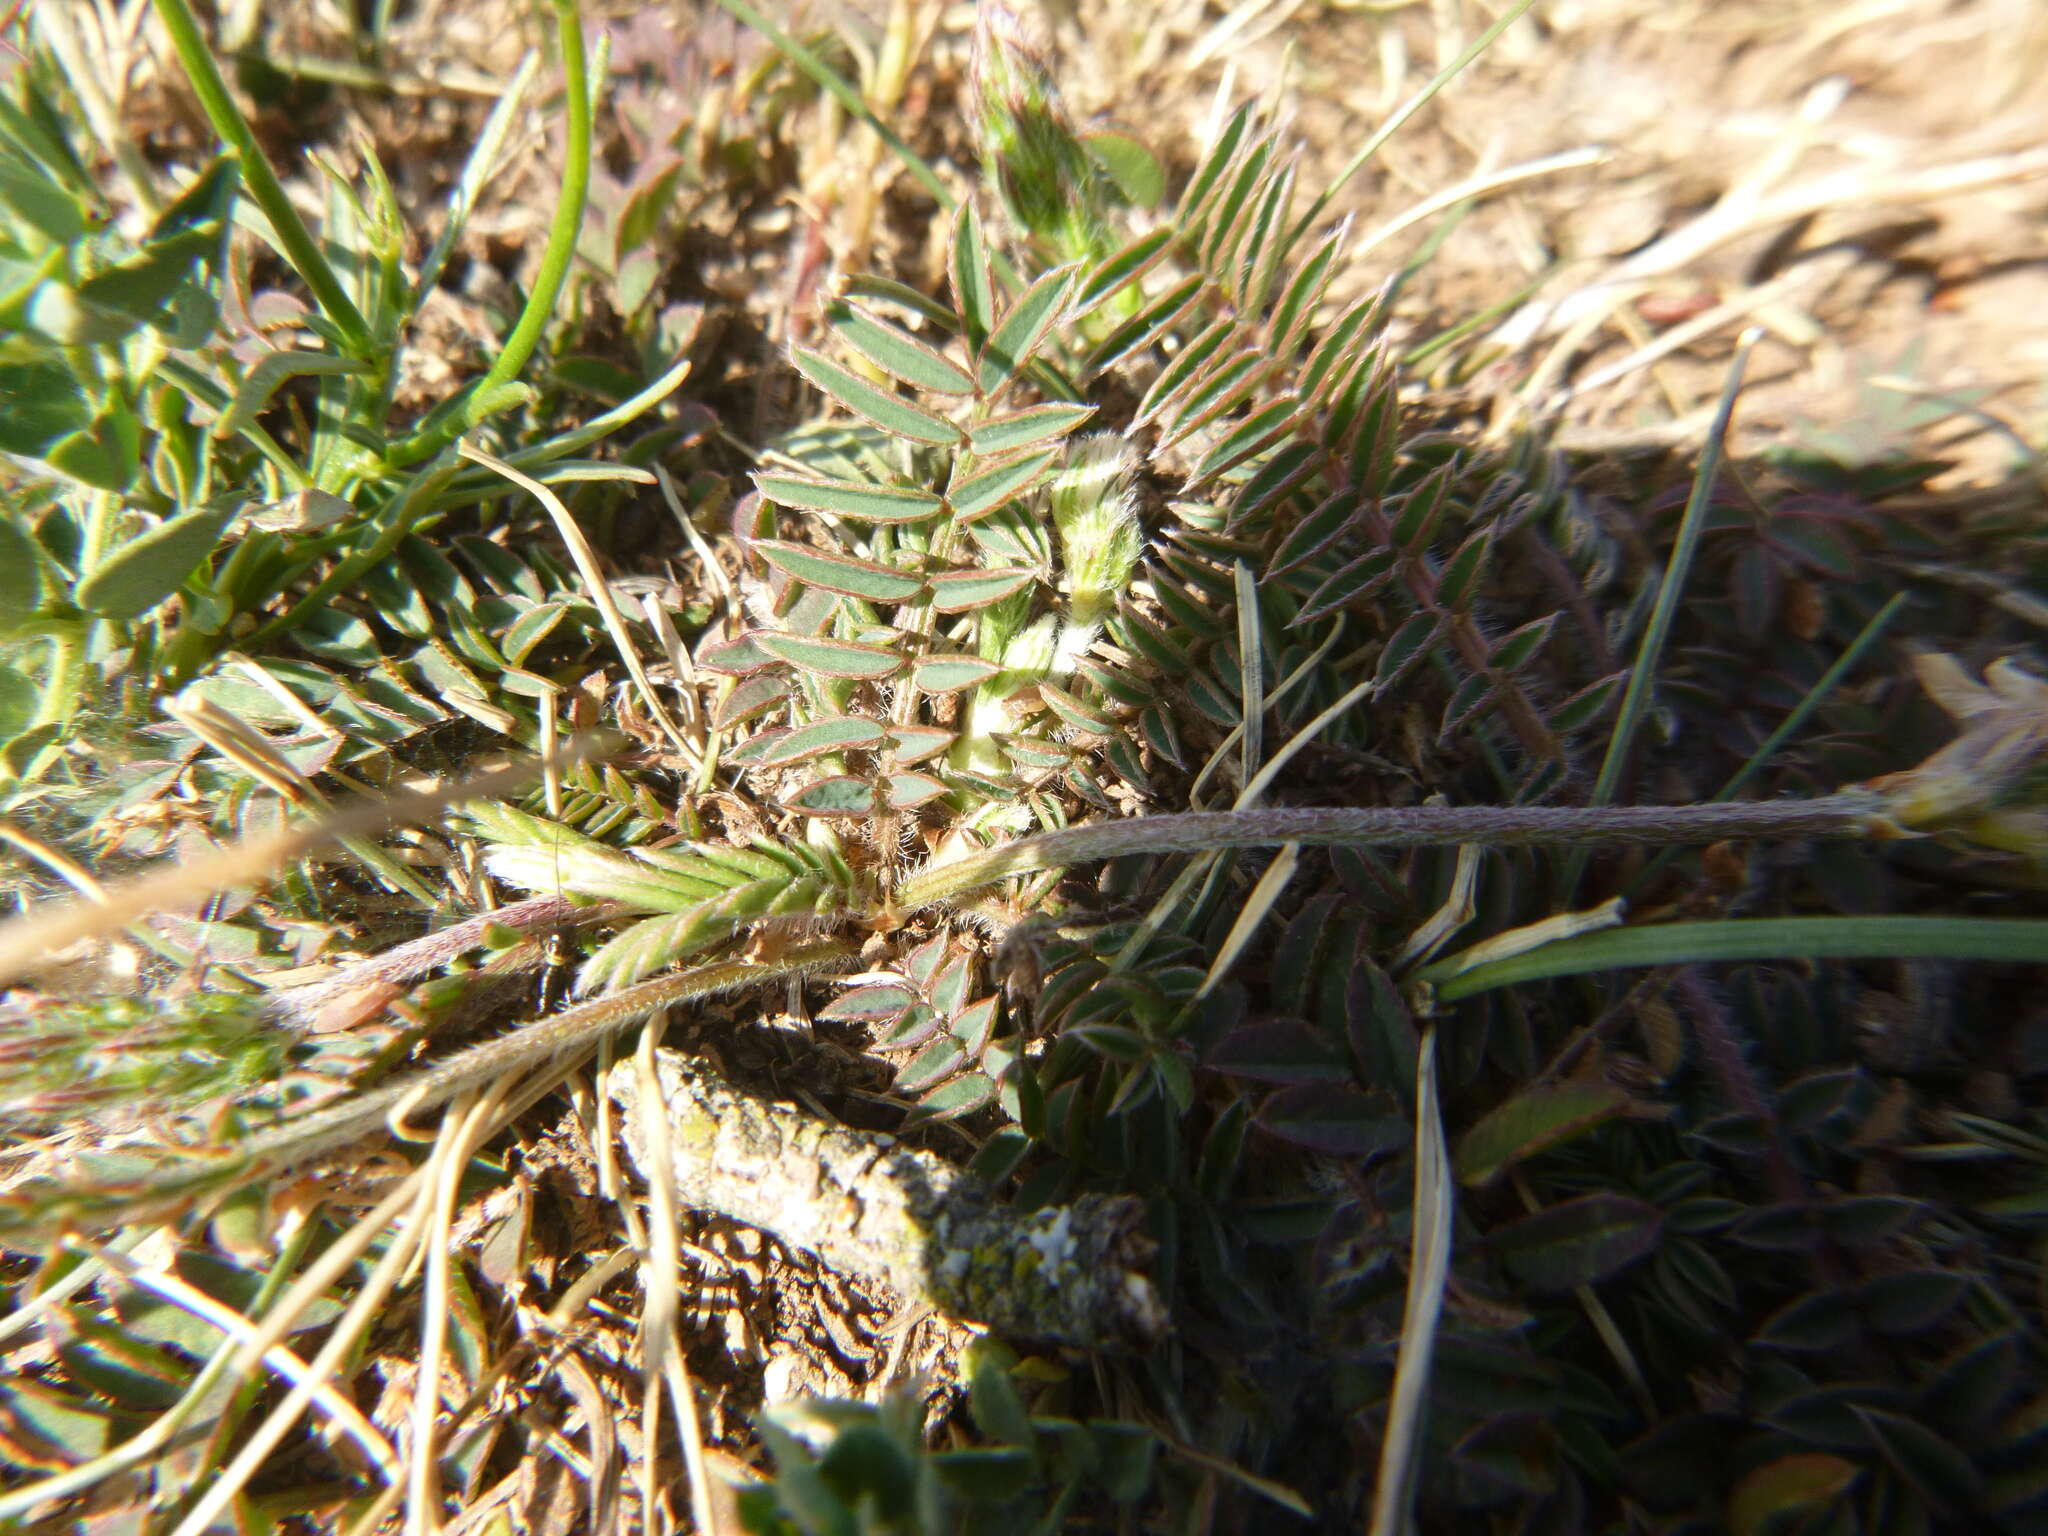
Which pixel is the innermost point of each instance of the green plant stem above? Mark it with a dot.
(298, 1140)
(264, 187)
(1847, 815)
(2013, 940)
(486, 396)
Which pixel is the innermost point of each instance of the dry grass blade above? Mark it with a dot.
(1429, 1267)
(599, 589)
(1479, 184)
(321, 1393)
(1457, 910)
(1261, 901)
(661, 1354)
(347, 1335)
(26, 942)
(423, 1473)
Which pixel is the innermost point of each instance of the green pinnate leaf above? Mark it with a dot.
(736, 658)
(1125, 267)
(1518, 648)
(1340, 349)
(1424, 506)
(1335, 1119)
(915, 743)
(988, 489)
(1534, 1121)
(1236, 195)
(898, 353)
(21, 574)
(1135, 169)
(1459, 583)
(1405, 649)
(829, 658)
(146, 570)
(1209, 175)
(843, 574)
(1026, 428)
(754, 697)
(1226, 384)
(871, 1004)
(1176, 377)
(851, 498)
(907, 791)
(872, 404)
(1304, 292)
(965, 591)
(1252, 436)
(974, 296)
(936, 1062)
(950, 674)
(962, 1096)
(1012, 344)
(841, 795)
(888, 291)
(1467, 700)
(1072, 712)
(1806, 1482)
(1314, 533)
(1577, 1242)
(1586, 706)
(1145, 327)
(837, 733)
(1350, 582)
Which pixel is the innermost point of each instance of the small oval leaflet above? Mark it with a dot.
(897, 352)
(915, 743)
(930, 1065)
(844, 574)
(887, 411)
(890, 1001)
(836, 733)
(735, 657)
(962, 591)
(907, 791)
(853, 498)
(1033, 424)
(830, 658)
(949, 674)
(843, 795)
(982, 493)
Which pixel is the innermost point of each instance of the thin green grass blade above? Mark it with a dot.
(1791, 725)
(1636, 699)
(2022, 941)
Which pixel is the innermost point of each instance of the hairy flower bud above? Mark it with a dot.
(1096, 514)
(1028, 146)
(1989, 785)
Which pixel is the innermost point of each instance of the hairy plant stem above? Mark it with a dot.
(1850, 814)
(299, 1140)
